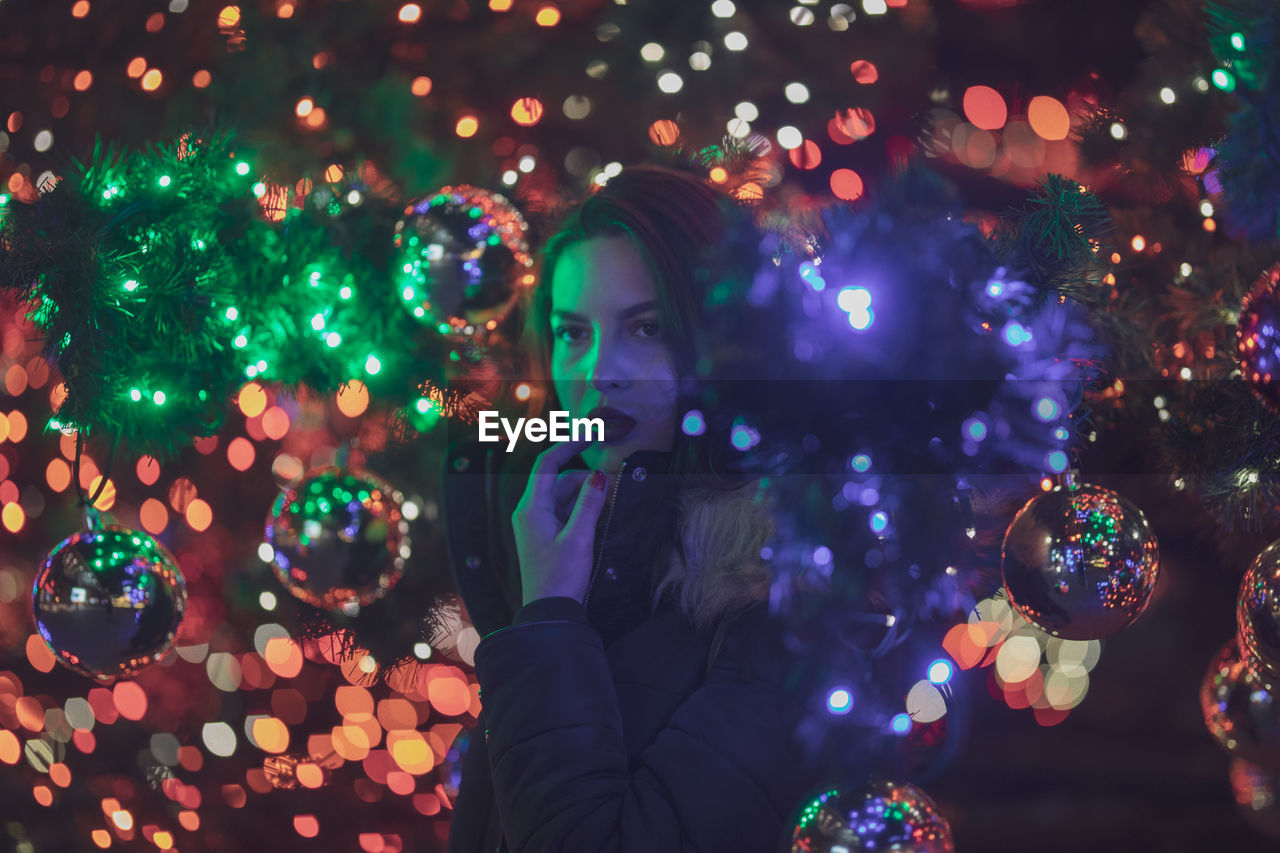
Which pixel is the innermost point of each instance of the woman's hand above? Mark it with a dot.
(555, 558)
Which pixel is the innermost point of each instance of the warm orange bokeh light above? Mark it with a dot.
(846, 184)
(17, 426)
(152, 80)
(271, 734)
(421, 86)
(13, 517)
(332, 175)
(1138, 243)
(252, 400)
(199, 515)
(275, 423)
(467, 126)
(102, 838)
(106, 497)
(306, 825)
(806, 156)
(155, 23)
(130, 700)
(240, 453)
(985, 108)
(58, 475)
(303, 108)
(201, 79)
(39, 654)
(163, 840)
(43, 795)
(83, 81)
(136, 66)
(80, 9)
(353, 398)
(500, 5)
(449, 695)
(60, 774)
(1048, 118)
(664, 132)
(284, 656)
(718, 175)
(410, 13)
(229, 17)
(148, 470)
(154, 516)
(527, 111)
(864, 72)
(548, 16)
(10, 748)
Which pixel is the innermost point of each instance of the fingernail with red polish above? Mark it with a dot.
(597, 479)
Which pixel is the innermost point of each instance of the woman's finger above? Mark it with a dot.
(566, 491)
(542, 477)
(587, 509)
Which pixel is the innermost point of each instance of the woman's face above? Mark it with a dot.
(609, 351)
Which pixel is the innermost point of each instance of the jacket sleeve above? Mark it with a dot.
(721, 775)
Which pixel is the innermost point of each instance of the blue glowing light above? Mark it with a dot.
(742, 437)
(860, 463)
(1047, 409)
(900, 724)
(693, 423)
(1016, 334)
(975, 429)
(879, 521)
(995, 288)
(809, 272)
(1061, 433)
(940, 671)
(840, 701)
(822, 556)
(1057, 461)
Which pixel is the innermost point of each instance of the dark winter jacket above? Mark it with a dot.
(614, 726)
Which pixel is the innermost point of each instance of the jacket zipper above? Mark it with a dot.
(604, 533)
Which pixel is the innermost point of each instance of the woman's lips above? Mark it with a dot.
(617, 423)
(616, 429)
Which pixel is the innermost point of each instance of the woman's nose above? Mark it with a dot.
(608, 368)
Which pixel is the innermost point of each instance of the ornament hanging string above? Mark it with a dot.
(106, 470)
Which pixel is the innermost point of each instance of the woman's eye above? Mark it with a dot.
(569, 334)
(649, 329)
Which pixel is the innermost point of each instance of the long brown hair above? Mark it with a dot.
(678, 223)
(682, 228)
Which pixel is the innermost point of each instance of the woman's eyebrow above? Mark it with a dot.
(624, 314)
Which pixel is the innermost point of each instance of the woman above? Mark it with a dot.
(630, 678)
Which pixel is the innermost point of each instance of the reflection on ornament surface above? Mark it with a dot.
(882, 816)
(108, 601)
(1258, 615)
(339, 538)
(1242, 714)
(1080, 562)
(461, 258)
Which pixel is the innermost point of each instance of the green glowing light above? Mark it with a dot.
(242, 168)
(240, 342)
(344, 293)
(333, 339)
(251, 371)
(423, 405)
(1224, 80)
(372, 365)
(317, 322)
(165, 180)
(232, 313)
(131, 285)
(135, 395)
(1237, 41)
(158, 397)
(197, 244)
(4, 199)
(259, 189)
